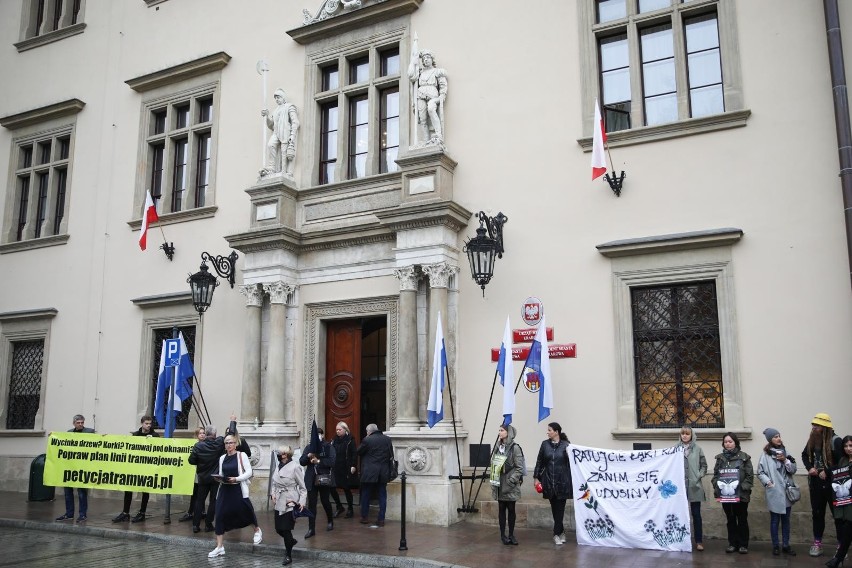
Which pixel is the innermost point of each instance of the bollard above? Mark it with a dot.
(403, 544)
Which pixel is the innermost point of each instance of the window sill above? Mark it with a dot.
(671, 434)
(34, 244)
(642, 135)
(22, 433)
(50, 37)
(179, 217)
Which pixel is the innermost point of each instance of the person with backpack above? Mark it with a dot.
(507, 471)
(553, 473)
(821, 453)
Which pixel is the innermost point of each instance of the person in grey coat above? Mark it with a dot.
(695, 468)
(506, 479)
(775, 471)
(553, 471)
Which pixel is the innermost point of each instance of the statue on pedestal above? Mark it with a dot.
(281, 147)
(429, 90)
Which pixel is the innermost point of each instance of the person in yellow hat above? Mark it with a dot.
(822, 451)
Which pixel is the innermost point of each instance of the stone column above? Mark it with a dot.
(250, 403)
(408, 393)
(276, 387)
(439, 275)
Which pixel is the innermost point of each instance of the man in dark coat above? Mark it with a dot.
(146, 429)
(376, 452)
(204, 456)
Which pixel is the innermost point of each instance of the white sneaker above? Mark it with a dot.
(218, 551)
(557, 539)
(258, 536)
(563, 538)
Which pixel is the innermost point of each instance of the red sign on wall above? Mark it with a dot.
(527, 334)
(563, 351)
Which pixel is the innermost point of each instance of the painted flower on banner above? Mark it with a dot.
(672, 532)
(667, 489)
(600, 528)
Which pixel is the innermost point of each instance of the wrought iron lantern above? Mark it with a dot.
(485, 248)
(203, 284)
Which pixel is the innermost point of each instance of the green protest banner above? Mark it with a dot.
(119, 463)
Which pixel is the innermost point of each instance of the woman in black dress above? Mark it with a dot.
(344, 468)
(233, 506)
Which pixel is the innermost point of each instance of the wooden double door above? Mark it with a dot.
(356, 363)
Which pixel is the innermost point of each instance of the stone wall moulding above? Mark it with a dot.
(426, 214)
(42, 114)
(180, 72)
(341, 17)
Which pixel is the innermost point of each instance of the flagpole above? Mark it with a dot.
(455, 433)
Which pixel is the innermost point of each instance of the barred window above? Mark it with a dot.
(678, 363)
(161, 334)
(25, 384)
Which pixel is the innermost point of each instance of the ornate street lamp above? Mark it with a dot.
(203, 284)
(483, 251)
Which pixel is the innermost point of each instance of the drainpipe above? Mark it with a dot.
(841, 115)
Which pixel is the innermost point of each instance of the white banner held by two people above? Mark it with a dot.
(630, 499)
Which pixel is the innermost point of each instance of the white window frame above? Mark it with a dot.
(672, 259)
(735, 114)
(26, 325)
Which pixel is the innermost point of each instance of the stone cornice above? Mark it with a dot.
(180, 72)
(267, 238)
(426, 214)
(342, 188)
(50, 37)
(672, 242)
(41, 313)
(723, 121)
(30, 244)
(414, 159)
(161, 300)
(353, 20)
(179, 217)
(42, 114)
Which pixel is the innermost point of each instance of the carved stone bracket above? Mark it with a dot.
(280, 292)
(253, 294)
(440, 274)
(408, 277)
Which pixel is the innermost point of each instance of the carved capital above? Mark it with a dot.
(439, 274)
(279, 292)
(253, 294)
(408, 278)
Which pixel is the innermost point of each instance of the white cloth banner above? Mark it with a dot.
(630, 499)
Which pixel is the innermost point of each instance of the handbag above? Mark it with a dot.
(792, 491)
(324, 479)
(393, 466)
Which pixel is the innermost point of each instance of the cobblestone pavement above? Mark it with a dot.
(43, 549)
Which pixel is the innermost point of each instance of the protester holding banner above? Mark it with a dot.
(821, 453)
(841, 483)
(146, 429)
(205, 457)
(553, 471)
(775, 471)
(288, 494)
(507, 473)
(695, 468)
(733, 478)
(319, 480)
(79, 422)
(344, 468)
(233, 506)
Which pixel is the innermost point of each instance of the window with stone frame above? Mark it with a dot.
(676, 346)
(678, 356)
(159, 335)
(661, 62)
(179, 147)
(41, 185)
(24, 340)
(358, 96)
(46, 21)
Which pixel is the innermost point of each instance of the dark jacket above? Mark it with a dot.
(553, 470)
(742, 461)
(808, 462)
(376, 452)
(326, 462)
(346, 458)
(204, 455)
(83, 431)
(511, 473)
(152, 433)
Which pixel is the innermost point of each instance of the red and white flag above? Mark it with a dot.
(598, 141)
(149, 215)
